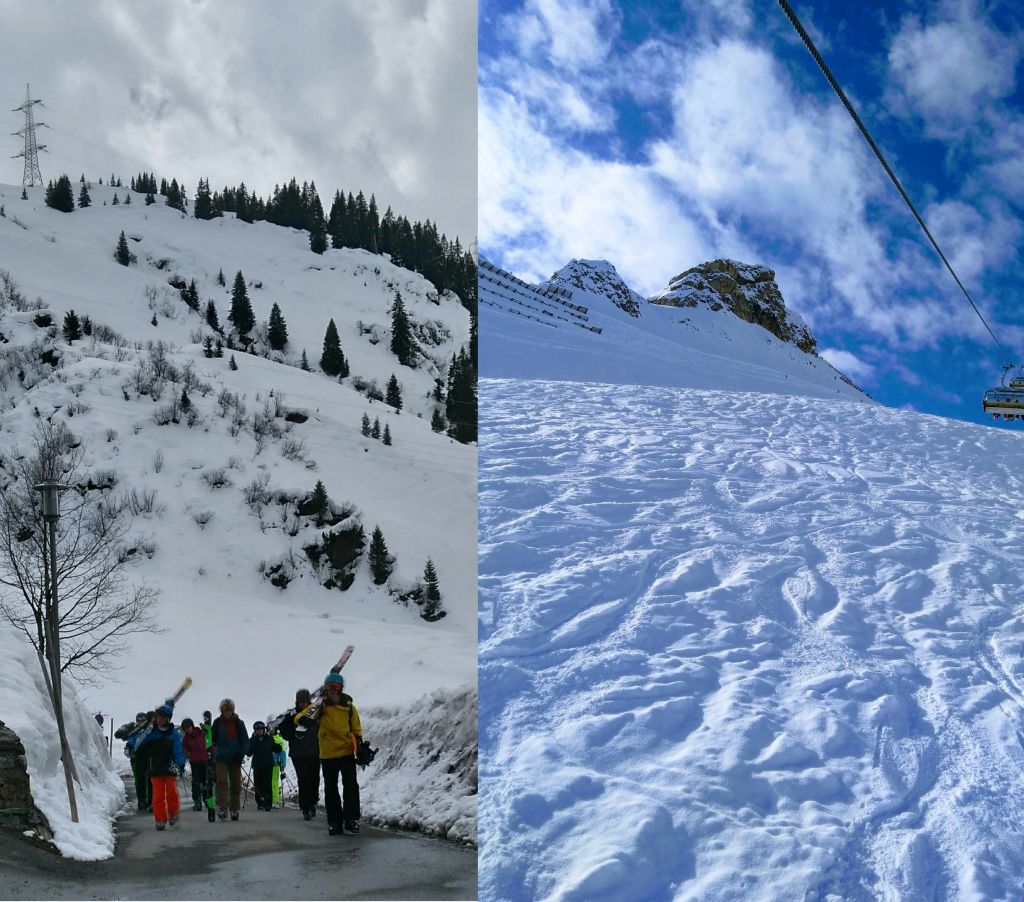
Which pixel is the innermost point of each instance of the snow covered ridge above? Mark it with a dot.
(747, 646)
(25, 708)
(748, 291)
(597, 277)
(425, 776)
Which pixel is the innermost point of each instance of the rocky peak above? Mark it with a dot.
(598, 277)
(748, 291)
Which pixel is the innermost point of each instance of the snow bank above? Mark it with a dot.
(425, 774)
(25, 708)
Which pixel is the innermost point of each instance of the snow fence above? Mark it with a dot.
(425, 774)
(25, 708)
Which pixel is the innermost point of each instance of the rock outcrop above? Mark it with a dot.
(601, 278)
(748, 291)
(17, 808)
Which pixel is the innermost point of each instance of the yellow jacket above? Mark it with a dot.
(339, 728)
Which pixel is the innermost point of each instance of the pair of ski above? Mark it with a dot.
(170, 700)
(317, 699)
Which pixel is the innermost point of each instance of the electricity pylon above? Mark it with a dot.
(32, 177)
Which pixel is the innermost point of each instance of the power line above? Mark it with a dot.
(788, 10)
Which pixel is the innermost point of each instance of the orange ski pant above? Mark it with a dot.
(166, 801)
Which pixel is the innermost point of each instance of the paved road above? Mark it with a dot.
(265, 855)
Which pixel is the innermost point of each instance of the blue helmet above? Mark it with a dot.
(334, 678)
(166, 709)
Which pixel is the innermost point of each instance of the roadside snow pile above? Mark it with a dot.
(739, 645)
(25, 708)
(425, 774)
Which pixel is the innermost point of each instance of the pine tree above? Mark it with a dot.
(437, 420)
(277, 331)
(241, 315)
(387, 435)
(24, 194)
(320, 504)
(123, 254)
(212, 320)
(72, 326)
(375, 432)
(150, 199)
(381, 562)
(191, 295)
(304, 365)
(317, 228)
(365, 428)
(220, 278)
(438, 393)
(127, 199)
(83, 196)
(332, 361)
(154, 321)
(113, 203)
(203, 206)
(231, 363)
(86, 325)
(433, 608)
(402, 345)
(59, 195)
(208, 347)
(393, 393)
(218, 349)
(185, 403)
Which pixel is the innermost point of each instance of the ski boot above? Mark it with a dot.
(307, 815)
(174, 823)
(197, 806)
(234, 815)
(222, 814)
(334, 830)
(352, 826)
(160, 825)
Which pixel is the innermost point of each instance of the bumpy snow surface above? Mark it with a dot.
(747, 646)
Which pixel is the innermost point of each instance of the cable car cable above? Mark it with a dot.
(788, 10)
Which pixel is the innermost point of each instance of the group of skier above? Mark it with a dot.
(323, 734)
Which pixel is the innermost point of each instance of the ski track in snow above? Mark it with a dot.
(747, 646)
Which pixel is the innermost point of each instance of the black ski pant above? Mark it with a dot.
(262, 778)
(198, 779)
(307, 770)
(140, 771)
(337, 812)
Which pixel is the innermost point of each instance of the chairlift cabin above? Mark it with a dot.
(1007, 401)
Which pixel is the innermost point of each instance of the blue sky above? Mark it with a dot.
(658, 135)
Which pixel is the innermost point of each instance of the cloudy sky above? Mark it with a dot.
(374, 96)
(662, 134)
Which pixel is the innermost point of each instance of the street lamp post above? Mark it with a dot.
(51, 489)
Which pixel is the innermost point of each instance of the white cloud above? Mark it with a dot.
(376, 96)
(850, 364)
(947, 69)
(573, 34)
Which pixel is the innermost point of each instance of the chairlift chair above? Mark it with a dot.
(1007, 401)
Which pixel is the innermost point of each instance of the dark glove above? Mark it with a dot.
(366, 754)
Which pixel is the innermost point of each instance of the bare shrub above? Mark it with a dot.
(202, 518)
(216, 478)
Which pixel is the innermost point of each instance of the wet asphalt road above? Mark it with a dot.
(264, 855)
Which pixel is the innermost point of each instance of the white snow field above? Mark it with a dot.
(742, 636)
(224, 624)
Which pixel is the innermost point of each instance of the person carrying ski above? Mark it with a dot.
(261, 750)
(280, 763)
(130, 733)
(208, 727)
(194, 742)
(166, 757)
(230, 744)
(304, 750)
(339, 733)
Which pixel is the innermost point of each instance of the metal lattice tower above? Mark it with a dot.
(32, 177)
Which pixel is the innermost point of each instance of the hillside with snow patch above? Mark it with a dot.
(219, 489)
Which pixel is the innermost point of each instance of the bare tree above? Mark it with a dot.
(99, 607)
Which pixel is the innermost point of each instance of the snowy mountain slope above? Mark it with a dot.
(225, 624)
(684, 347)
(598, 278)
(67, 259)
(747, 646)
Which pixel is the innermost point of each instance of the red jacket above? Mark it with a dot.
(194, 745)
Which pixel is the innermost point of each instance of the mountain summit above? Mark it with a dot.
(598, 277)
